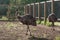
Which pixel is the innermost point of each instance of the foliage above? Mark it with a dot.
(3, 10)
(14, 4)
(4, 1)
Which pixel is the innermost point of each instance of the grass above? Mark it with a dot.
(57, 38)
(38, 21)
(4, 18)
(47, 23)
(42, 22)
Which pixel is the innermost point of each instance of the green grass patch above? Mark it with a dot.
(38, 21)
(57, 38)
(4, 18)
(47, 23)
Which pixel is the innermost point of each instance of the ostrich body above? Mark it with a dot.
(52, 18)
(27, 20)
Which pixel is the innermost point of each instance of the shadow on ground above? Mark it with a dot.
(36, 38)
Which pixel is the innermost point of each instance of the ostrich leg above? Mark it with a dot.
(53, 26)
(52, 23)
(28, 29)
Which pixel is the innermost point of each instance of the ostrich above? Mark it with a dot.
(27, 20)
(52, 18)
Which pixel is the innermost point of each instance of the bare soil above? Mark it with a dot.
(18, 32)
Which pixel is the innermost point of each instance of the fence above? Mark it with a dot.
(43, 9)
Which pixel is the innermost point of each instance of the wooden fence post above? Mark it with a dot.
(24, 10)
(52, 6)
(30, 9)
(39, 12)
(27, 9)
(45, 19)
(34, 10)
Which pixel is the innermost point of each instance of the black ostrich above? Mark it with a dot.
(27, 20)
(52, 18)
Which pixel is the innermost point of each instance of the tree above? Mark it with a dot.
(13, 4)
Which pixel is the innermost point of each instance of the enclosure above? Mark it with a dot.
(37, 9)
(15, 30)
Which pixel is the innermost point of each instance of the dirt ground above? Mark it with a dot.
(17, 31)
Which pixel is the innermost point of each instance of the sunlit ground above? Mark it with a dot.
(17, 31)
